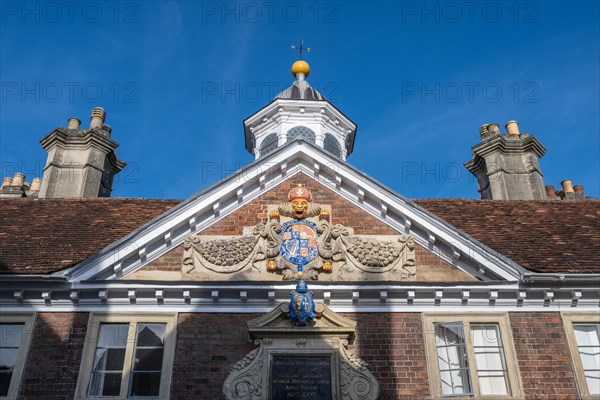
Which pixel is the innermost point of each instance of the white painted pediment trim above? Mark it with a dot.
(217, 201)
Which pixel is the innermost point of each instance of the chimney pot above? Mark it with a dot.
(483, 130)
(493, 128)
(578, 189)
(7, 181)
(26, 186)
(512, 127)
(567, 186)
(36, 183)
(107, 128)
(18, 179)
(550, 191)
(98, 117)
(74, 123)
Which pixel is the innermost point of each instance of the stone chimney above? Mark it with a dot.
(81, 162)
(568, 191)
(6, 182)
(13, 187)
(550, 192)
(567, 186)
(507, 165)
(17, 187)
(36, 183)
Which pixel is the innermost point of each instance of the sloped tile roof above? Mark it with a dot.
(48, 235)
(542, 236)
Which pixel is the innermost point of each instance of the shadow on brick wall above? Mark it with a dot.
(393, 344)
(54, 356)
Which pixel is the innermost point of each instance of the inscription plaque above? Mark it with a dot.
(301, 377)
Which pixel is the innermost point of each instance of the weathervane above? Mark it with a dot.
(300, 47)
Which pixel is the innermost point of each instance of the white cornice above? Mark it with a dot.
(274, 107)
(250, 298)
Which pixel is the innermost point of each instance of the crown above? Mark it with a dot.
(300, 192)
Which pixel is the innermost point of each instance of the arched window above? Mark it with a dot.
(301, 132)
(332, 145)
(268, 144)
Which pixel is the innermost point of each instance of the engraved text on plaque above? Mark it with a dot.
(301, 377)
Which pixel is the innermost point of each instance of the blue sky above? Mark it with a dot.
(177, 78)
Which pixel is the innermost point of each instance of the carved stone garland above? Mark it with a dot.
(336, 248)
(231, 255)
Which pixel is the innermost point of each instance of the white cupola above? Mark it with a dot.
(299, 113)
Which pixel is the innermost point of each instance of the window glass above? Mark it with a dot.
(587, 337)
(301, 132)
(148, 360)
(11, 337)
(127, 357)
(268, 144)
(470, 355)
(332, 145)
(107, 369)
(452, 358)
(489, 358)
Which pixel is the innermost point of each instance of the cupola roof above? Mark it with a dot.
(300, 89)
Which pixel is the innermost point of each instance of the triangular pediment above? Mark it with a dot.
(297, 161)
(277, 322)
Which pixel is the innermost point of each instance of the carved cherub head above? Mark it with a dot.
(299, 197)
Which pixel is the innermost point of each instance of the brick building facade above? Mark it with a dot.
(415, 299)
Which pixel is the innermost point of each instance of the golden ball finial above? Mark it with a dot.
(300, 66)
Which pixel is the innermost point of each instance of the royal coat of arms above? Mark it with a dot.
(299, 242)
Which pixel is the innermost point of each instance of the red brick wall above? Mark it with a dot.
(54, 357)
(208, 345)
(543, 356)
(426, 257)
(170, 261)
(394, 347)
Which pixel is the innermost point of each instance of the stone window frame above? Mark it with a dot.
(568, 319)
(89, 350)
(514, 381)
(28, 321)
